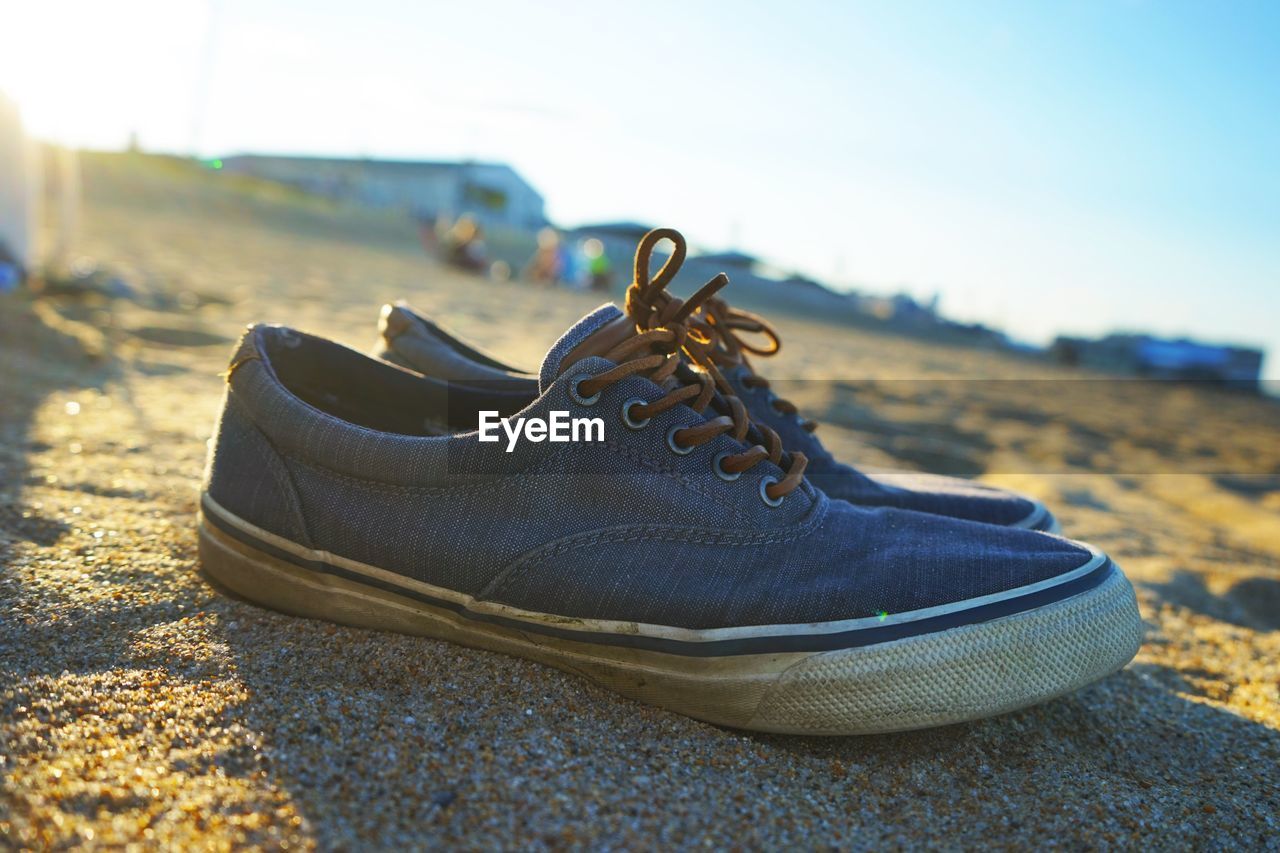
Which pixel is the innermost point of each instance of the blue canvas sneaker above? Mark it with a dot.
(676, 554)
(411, 340)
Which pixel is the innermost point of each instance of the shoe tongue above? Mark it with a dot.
(595, 334)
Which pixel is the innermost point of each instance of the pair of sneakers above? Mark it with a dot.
(693, 545)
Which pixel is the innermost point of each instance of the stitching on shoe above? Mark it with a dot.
(649, 533)
(636, 456)
(395, 488)
(285, 479)
(537, 470)
(276, 468)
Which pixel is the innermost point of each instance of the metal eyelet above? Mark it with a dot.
(765, 483)
(631, 422)
(577, 395)
(719, 469)
(676, 448)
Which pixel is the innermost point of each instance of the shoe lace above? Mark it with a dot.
(730, 325)
(719, 329)
(668, 330)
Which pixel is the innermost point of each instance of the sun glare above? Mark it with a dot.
(90, 74)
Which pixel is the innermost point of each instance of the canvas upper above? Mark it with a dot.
(360, 460)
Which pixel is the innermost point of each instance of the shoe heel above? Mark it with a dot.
(255, 575)
(268, 581)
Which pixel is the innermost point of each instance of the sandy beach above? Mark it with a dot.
(140, 704)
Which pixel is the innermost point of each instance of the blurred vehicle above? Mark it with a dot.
(599, 268)
(1161, 358)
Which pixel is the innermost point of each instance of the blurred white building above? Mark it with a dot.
(493, 193)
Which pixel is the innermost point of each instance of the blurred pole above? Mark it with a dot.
(19, 188)
(64, 175)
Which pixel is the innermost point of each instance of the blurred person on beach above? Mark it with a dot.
(430, 227)
(463, 246)
(571, 267)
(547, 266)
(599, 268)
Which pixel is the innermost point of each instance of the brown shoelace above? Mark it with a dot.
(729, 325)
(668, 326)
(717, 328)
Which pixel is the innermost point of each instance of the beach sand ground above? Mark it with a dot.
(140, 704)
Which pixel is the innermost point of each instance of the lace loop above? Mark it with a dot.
(668, 327)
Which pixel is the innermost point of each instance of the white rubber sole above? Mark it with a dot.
(946, 676)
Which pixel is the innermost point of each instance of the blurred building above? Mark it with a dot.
(493, 193)
(1160, 358)
(903, 311)
(738, 263)
(619, 240)
(754, 283)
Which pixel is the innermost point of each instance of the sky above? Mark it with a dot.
(1045, 167)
